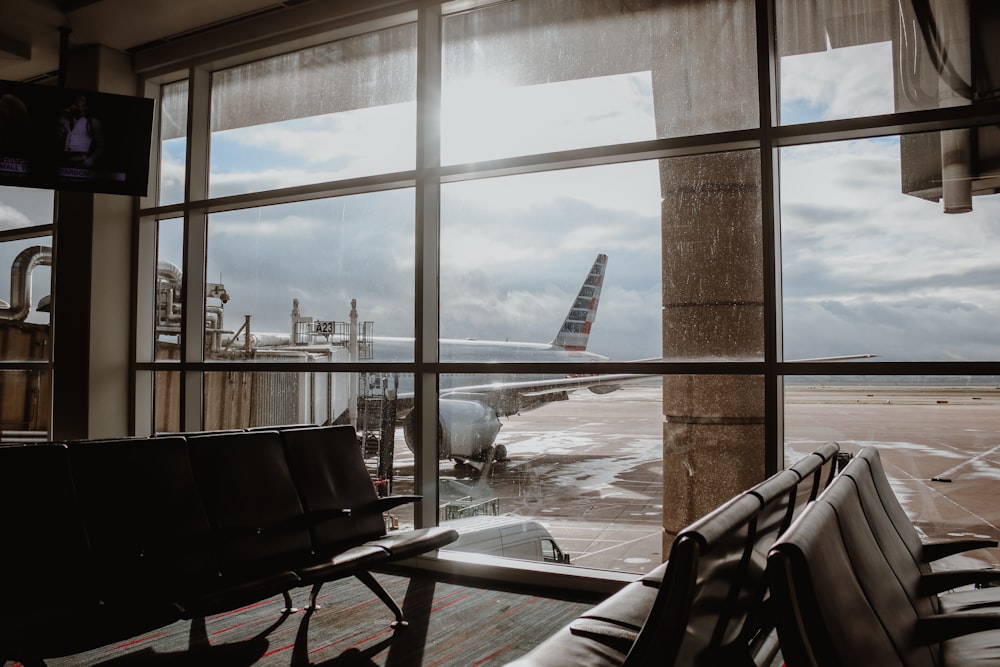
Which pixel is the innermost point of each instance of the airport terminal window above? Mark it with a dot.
(340, 110)
(169, 284)
(873, 263)
(893, 56)
(25, 286)
(292, 273)
(26, 404)
(628, 137)
(583, 471)
(25, 312)
(167, 406)
(937, 438)
(533, 77)
(24, 207)
(570, 255)
(173, 142)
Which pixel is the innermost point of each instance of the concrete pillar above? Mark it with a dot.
(704, 80)
(713, 431)
(92, 284)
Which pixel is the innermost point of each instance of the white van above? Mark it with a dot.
(509, 536)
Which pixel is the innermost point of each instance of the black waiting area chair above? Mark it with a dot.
(106, 540)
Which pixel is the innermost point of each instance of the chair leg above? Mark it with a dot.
(313, 595)
(289, 608)
(368, 580)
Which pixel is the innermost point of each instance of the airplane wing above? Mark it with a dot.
(470, 415)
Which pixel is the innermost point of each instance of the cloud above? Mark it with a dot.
(12, 218)
(324, 253)
(484, 119)
(867, 268)
(316, 149)
(838, 83)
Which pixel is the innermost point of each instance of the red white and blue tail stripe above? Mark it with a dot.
(575, 330)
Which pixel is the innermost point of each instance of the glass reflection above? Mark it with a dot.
(173, 142)
(334, 111)
(885, 57)
(523, 77)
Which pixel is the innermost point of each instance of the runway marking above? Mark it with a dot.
(947, 473)
(934, 490)
(619, 545)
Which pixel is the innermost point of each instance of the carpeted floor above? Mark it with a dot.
(451, 624)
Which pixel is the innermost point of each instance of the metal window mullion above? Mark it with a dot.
(767, 77)
(428, 210)
(195, 232)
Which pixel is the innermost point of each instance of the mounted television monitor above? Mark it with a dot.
(65, 139)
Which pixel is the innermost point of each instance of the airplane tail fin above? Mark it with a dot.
(575, 328)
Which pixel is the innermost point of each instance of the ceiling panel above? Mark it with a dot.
(33, 26)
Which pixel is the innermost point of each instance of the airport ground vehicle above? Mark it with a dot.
(509, 536)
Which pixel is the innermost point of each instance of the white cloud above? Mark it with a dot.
(839, 83)
(867, 268)
(11, 218)
(484, 120)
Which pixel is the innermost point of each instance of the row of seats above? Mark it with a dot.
(708, 603)
(852, 584)
(105, 540)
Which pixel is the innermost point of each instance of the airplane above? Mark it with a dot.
(469, 414)
(470, 407)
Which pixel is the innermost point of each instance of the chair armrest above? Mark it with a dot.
(941, 627)
(939, 582)
(940, 548)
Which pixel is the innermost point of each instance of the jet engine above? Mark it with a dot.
(466, 430)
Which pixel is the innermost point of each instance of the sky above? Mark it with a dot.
(865, 268)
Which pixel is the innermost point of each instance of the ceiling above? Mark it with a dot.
(30, 30)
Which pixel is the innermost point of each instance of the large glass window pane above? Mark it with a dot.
(377, 404)
(936, 436)
(173, 142)
(25, 308)
(25, 402)
(283, 280)
(573, 477)
(331, 112)
(535, 76)
(873, 264)
(846, 60)
(25, 207)
(169, 288)
(678, 257)
(167, 404)
(530, 258)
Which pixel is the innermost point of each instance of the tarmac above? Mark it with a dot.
(590, 468)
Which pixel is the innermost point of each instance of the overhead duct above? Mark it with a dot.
(20, 281)
(946, 56)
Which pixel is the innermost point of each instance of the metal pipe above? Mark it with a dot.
(20, 281)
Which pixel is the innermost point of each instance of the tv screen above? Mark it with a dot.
(66, 139)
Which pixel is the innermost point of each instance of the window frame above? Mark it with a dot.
(196, 58)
